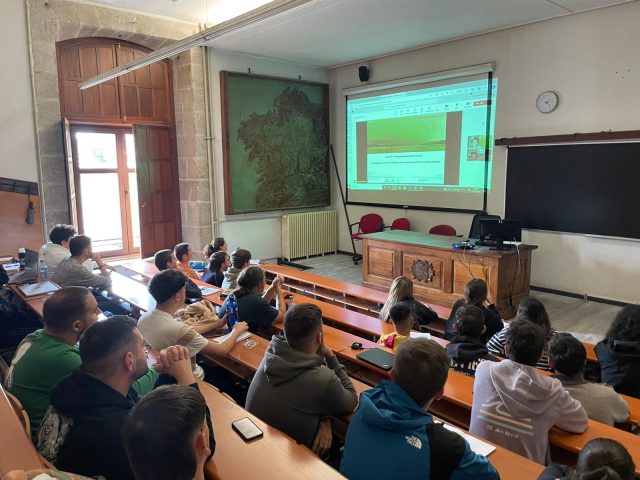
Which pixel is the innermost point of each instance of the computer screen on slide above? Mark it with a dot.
(428, 145)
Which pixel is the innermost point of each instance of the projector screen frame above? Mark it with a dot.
(488, 69)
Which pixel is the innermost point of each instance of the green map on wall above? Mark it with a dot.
(277, 144)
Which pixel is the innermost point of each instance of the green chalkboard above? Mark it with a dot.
(275, 143)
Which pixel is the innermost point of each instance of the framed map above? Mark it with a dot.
(275, 143)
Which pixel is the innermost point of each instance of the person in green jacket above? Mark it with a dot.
(46, 356)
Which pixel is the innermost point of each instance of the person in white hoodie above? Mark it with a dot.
(515, 405)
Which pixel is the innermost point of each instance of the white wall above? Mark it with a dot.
(17, 135)
(259, 232)
(593, 61)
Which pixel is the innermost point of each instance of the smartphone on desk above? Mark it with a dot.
(246, 429)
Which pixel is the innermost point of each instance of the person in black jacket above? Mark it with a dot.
(176, 447)
(218, 263)
(4, 277)
(466, 349)
(475, 293)
(164, 260)
(401, 290)
(619, 352)
(82, 429)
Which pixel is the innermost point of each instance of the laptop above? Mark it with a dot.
(378, 358)
(30, 272)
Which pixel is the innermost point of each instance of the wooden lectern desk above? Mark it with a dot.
(440, 273)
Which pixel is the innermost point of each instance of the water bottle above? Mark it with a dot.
(43, 271)
(232, 311)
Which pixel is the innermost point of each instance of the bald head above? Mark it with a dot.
(67, 306)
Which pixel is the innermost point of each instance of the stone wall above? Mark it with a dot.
(51, 21)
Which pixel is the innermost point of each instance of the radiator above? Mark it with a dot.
(309, 233)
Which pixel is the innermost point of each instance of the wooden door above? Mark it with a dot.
(158, 188)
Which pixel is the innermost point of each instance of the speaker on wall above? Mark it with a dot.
(363, 73)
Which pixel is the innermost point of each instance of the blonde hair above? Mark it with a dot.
(401, 289)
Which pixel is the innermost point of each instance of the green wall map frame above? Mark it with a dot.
(275, 143)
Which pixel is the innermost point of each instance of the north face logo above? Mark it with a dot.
(414, 442)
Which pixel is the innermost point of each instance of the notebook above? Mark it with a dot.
(415, 334)
(39, 288)
(377, 357)
(240, 338)
(477, 445)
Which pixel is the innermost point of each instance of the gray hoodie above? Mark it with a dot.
(231, 278)
(292, 391)
(515, 406)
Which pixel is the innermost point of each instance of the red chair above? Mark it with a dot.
(369, 223)
(401, 224)
(447, 230)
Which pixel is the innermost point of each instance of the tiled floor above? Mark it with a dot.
(587, 320)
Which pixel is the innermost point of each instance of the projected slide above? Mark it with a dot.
(424, 147)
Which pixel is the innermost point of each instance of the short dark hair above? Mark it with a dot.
(525, 340)
(181, 250)
(470, 320)
(164, 449)
(536, 313)
(475, 291)
(161, 258)
(567, 353)
(240, 257)
(301, 323)
(61, 233)
(166, 284)
(64, 307)
(213, 247)
(400, 313)
(217, 260)
(604, 458)
(626, 325)
(421, 368)
(78, 243)
(101, 341)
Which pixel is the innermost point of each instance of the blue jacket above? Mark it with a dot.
(390, 435)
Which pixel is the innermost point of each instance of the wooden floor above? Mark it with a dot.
(587, 320)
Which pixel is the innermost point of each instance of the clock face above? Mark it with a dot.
(547, 102)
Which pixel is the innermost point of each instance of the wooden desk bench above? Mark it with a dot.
(16, 449)
(275, 455)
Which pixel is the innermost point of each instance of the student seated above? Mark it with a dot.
(533, 310)
(82, 429)
(254, 305)
(184, 254)
(300, 383)
(401, 290)
(161, 329)
(57, 248)
(71, 272)
(599, 459)
(567, 356)
(218, 244)
(218, 263)
(176, 447)
(400, 315)
(515, 405)
(239, 260)
(475, 293)
(165, 260)
(466, 349)
(391, 435)
(619, 352)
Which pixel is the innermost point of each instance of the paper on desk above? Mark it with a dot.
(240, 338)
(415, 334)
(477, 445)
(39, 288)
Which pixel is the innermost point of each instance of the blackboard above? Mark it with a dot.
(580, 188)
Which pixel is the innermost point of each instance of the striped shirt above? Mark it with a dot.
(496, 346)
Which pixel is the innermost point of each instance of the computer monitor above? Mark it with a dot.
(501, 231)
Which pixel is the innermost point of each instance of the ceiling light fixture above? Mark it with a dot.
(240, 22)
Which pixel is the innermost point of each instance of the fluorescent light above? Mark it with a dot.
(248, 19)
